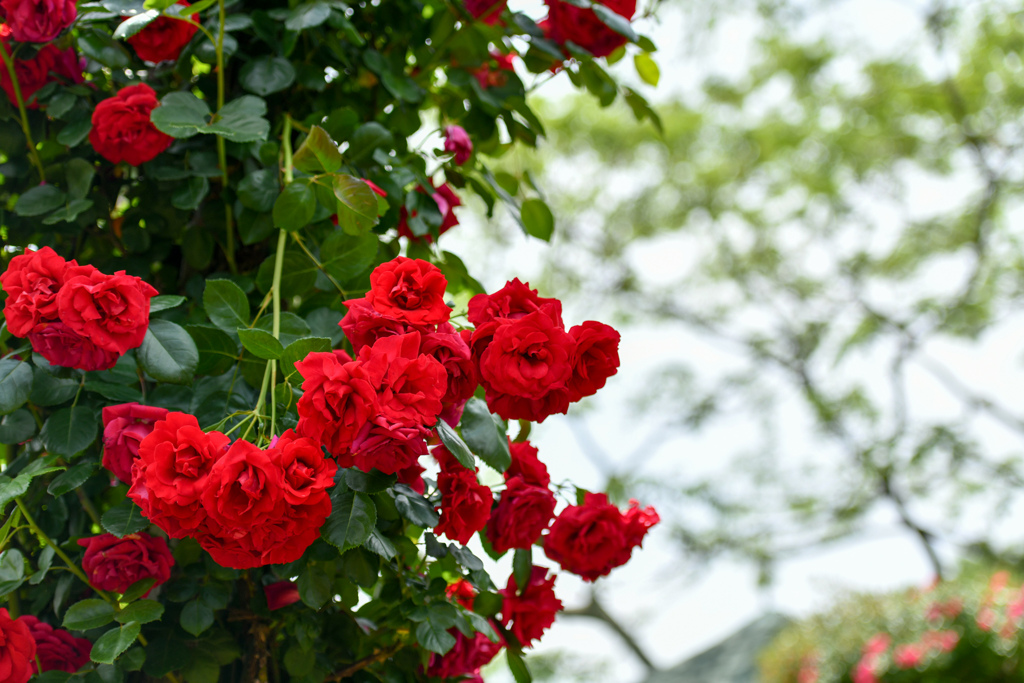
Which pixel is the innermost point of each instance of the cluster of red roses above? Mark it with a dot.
(74, 316)
(247, 506)
(377, 410)
(530, 367)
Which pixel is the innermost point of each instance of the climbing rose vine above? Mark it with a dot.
(257, 423)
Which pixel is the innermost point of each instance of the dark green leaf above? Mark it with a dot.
(168, 353)
(226, 305)
(379, 544)
(267, 75)
(180, 115)
(15, 385)
(88, 614)
(217, 351)
(538, 219)
(141, 612)
(138, 589)
(518, 667)
(165, 302)
(72, 479)
(48, 390)
(292, 329)
(346, 256)
(123, 519)
(485, 435)
(196, 617)
(69, 431)
(373, 481)
(306, 16)
(17, 427)
(114, 392)
(294, 207)
(39, 200)
(366, 139)
(522, 566)
(12, 571)
(352, 519)
(241, 120)
(454, 443)
(617, 23)
(258, 190)
(132, 25)
(415, 507)
(260, 343)
(79, 174)
(314, 585)
(357, 210)
(112, 643)
(318, 153)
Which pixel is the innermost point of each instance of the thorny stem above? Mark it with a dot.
(33, 152)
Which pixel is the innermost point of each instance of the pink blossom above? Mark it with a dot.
(457, 142)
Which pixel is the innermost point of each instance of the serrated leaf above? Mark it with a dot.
(123, 519)
(226, 305)
(168, 353)
(352, 519)
(455, 445)
(132, 25)
(141, 612)
(318, 153)
(260, 343)
(88, 614)
(69, 431)
(111, 644)
(485, 436)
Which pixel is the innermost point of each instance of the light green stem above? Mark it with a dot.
(282, 238)
(41, 535)
(32, 151)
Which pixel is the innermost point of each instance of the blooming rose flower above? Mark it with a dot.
(523, 512)
(115, 564)
(38, 21)
(488, 11)
(32, 281)
(164, 38)
(245, 488)
(387, 447)
(526, 465)
(495, 76)
(457, 142)
(409, 385)
(121, 129)
(56, 649)
(363, 325)
(533, 409)
(451, 351)
(48, 64)
(462, 592)
(171, 472)
(124, 428)
(337, 401)
(281, 594)
(533, 611)
(409, 291)
(446, 200)
(465, 504)
(17, 649)
(412, 476)
(528, 358)
(581, 26)
(111, 310)
(596, 358)
(513, 301)
(60, 345)
(465, 658)
(307, 473)
(592, 539)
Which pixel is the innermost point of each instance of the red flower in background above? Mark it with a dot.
(164, 38)
(523, 512)
(532, 611)
(446, 200)
(18, 652)
(567, 22)
(124, 428)
(56, 649)
(488, 11)
(494, 74)
(60, 345)
(38, 21)
(115, 564)
(457, 142)
(122, 130)
(48, 64)
(466, 658)
(281, 594)
(465, 504)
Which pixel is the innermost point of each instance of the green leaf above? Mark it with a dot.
(12, 488)
(44, 562)
(188, 196)
(379, 544)
(12, 571)
(518, 667)
(48, 390)
(432, 631)
(292, 329)
(367, 138)
(138, 589)
(226, 305)
(17, 427)
(241, 120)
(647, 68)
(353, 516)
(15, 385)
(314, 585)
(69, 212)
(318, 153)
(259, 189)
(88, 614)
(69, 431)
(180, 115)
(112, 643)
(357, 209)
(260, 343)
(346, 256)
(165, 302)
(39, 200)
(307, 16)
(141, 612)
(297, 351)
(454, 443)
(538, 219)
(415, 507)
(79, 174)
(123, 519)
(294, 207)
(485, 435)
(522, 566)
(129, 27)
(168, 353)
(71, 479)
(298, 276)
(267, 75)
(196, 617)
(217, 351)
(114, 392)
(617, 23)
(373, 481)
(75, 132)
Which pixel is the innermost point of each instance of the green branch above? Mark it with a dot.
(33, 152)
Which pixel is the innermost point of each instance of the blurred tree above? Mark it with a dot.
(837, 219)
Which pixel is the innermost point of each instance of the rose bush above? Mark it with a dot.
(232, 339)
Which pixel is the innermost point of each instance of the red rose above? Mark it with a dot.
(449, 349)
(39, 70)
(363, 325)
(281, 594)
(337, 400)
(528, 358)
(245, 488)
(532, 612)
(446, 200)
(60, 345)
(597, 358)
(307, 473)
(111, 310)
(32, 281)
(412, 476)
(121, 129)
(164, 38)
(526, 464)
(488, 11)
(581, 26)
(532, 409)
(409, 385)
(115, 564)
(279, 540)
(465, 504)
(409, 291)
(56, 649)
(124, 428)
(171, 473)
(523, 512)
(592, 539)
(462, 592)
(387, 447)
(457, 141)
(513, 301)
(17, 649)
(489, 76)
(465, 658)
(38, 21)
